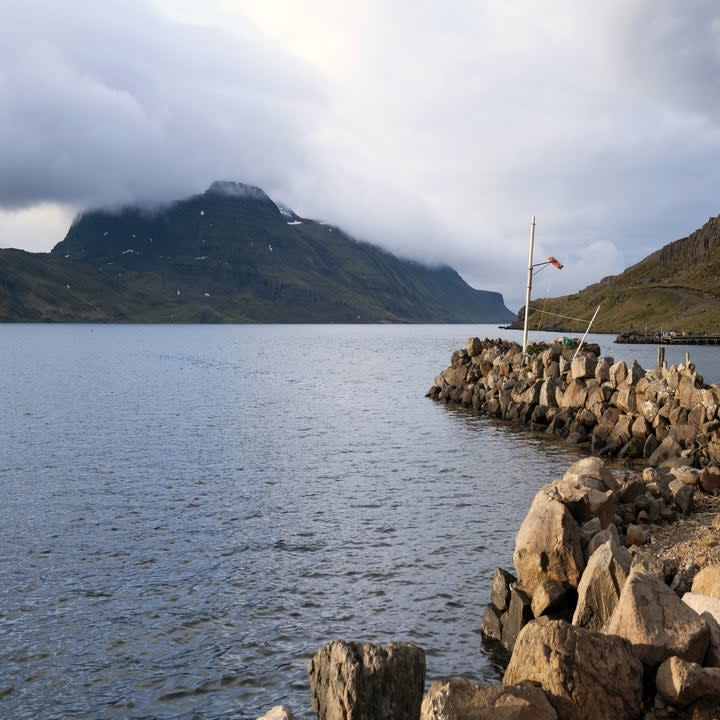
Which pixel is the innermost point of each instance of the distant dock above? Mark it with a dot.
(667, 339)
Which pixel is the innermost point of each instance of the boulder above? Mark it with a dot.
(668, 449)
(708, 608)
(473, 346)
(548, 392)
(593, 467)
(548, 597)
(491, 626)
(518, 614)
(618, 373)
(583, 366)
(602, 369)
(601, 585)
(637, 535)
(657, 622)
(682, 495)
(585, 675)
(583, 502)
(500, 589)
(575, 395)
(548, 546)
(464, 700)
(626, 399)
(609, 533)
(455, 376)
(681, 682)
(710, 480)
(707, 582)
(279, 712)
(359, 681)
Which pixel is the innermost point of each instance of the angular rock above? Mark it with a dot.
(455, 376)
(473, 346)
(548, 597)
(279, 712)
(593, 467)
(658, 624)
(359, 681)
(548, 392)
(668, 449)
(601, 585)
(500, 589)
(583, 366)
(583, 502)
(618, 373)
(609, 533)
(710, 480)
(681, 683)
(585, 675)
(491, 626)
(708, 608)
(575, 395)
(637, 535)
(464, 700)
(518, 614)
(682, 495)
(602, 369)
(548, 546)
(707, 582)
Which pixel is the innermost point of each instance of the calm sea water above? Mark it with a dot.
(189, 512)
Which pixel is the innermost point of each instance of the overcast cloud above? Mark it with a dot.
(435, 130)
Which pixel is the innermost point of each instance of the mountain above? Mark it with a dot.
(229, 254)
(676, 288)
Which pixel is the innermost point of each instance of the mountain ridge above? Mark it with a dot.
(229, 254)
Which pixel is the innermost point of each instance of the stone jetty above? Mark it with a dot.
(667, 415)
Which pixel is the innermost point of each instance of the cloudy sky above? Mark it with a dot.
(433, 129)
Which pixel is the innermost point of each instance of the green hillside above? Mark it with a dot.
(676, 288)
(228, 255)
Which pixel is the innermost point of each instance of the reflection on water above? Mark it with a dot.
(190, 512)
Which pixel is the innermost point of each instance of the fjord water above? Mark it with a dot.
(189, 512)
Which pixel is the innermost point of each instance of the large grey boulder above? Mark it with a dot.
(585, 675)
(681, 683)
(359, 681)
(548, 546)
(601, 585)
(657, 622)
(464, 700)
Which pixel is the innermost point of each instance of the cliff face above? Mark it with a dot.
(674, 288)
(229, 255)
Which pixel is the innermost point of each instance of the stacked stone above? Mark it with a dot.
(589, 618)
(665, 415)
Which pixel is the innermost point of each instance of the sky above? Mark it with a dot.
(435, 130)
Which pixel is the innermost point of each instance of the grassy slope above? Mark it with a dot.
(675, 288)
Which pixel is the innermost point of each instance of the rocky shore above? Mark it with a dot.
(668, 416)
(610, 612)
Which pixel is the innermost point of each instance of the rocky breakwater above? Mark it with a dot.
(668, 416)
(603, 626)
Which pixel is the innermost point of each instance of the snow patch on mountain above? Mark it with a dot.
(236, 189)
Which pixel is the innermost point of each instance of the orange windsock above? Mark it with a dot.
(554, 261)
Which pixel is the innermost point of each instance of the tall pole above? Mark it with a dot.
(529, 285)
